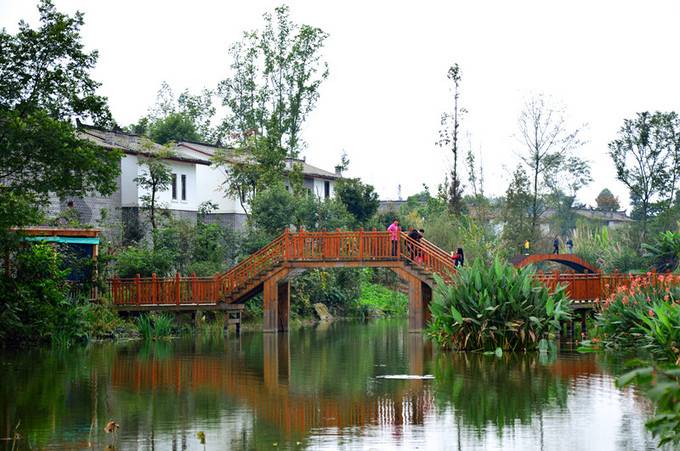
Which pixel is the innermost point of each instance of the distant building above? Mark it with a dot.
(195, 181)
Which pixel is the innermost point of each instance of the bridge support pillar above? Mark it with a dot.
(276, 304)
(419, 298)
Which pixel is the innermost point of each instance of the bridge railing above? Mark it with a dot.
(339, 245)
(423, 254)
(154, 290)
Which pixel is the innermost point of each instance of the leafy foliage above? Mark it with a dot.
(44, 85)
(156, 177)
(664, 251)
(359, 198)
(497, 305)
(34, 303)
(646, 154)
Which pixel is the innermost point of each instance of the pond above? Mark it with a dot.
(315, 388)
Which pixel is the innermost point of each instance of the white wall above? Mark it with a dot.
(129, 196)
(209, 186)
(165, 199)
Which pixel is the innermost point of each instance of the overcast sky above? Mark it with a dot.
(603, 60)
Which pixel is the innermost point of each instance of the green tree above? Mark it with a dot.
(155, 178)
(184, 118)
(359, 198)
(549, 154)
(607, 201)
(275, 80)
(45, 86)
(516, 213)
(274, 84)
(448, 139)
(645, 154)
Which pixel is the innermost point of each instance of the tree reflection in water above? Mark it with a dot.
(487, 390)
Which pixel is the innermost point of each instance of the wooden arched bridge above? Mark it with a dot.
(572, 261)
(270, 269)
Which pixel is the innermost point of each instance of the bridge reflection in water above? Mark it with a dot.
(268, 390)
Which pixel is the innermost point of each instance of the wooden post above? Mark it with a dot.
(154, 289)
(286, 243)
(361, 243)
(215, 290)
(276, 299)
(194, 289)
(138, 286)
(115, 291)
(178, 289)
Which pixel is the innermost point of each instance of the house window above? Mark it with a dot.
(174, 186)
(326, 189)
(184, 187)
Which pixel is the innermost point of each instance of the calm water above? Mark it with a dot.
(315, 389)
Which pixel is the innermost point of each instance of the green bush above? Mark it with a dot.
(34, 303)
(664, 252)
(491, 306)
(143, 261)
(643, 316)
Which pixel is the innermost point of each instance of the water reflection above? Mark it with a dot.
(317, 389)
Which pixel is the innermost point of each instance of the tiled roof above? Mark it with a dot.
(132, 144)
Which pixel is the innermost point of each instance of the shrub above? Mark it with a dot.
(143, 261)
(643, 316)
(497, 305)
(664, 252)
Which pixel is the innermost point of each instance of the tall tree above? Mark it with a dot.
(606, 201)
(645, 156)
(548, 154)
(274, 84)
(448, 139)
(517, 210)
(45, 86)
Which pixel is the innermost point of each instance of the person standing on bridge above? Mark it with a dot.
(527, 245)
(556, 245)
(570, 246)
(393, 229)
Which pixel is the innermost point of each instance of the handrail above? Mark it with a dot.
(432, 247)
(423, 256)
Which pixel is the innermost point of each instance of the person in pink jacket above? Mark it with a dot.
(393, 229)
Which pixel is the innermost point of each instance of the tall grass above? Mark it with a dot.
(495, 306)
(154, 326)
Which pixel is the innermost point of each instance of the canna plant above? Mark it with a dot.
(486, 307)
(645, 315)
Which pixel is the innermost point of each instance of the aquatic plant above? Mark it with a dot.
(152, 326)
(645, 315)
(497, 305)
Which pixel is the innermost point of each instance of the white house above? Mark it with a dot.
(195, 180)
